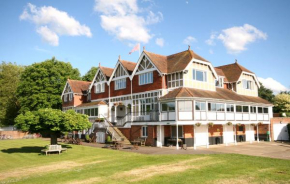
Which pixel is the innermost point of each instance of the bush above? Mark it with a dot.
(286, 113)
(87, 137)
(109, 139)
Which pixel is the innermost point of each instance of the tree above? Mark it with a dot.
(52, 121)
(9, 80)
(89, 76)
(266, 93)
(42, 83)
(282, 102)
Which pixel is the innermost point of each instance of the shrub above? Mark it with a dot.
(87, 137)
(109, 139)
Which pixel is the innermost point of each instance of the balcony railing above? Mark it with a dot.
(221, 116)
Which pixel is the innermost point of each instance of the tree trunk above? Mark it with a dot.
(53, 138)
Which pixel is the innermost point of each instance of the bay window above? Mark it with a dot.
(185, 106)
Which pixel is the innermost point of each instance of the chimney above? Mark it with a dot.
(143, 48)
(236, 61)
(119, 58)
(188, 47)
(99, 65)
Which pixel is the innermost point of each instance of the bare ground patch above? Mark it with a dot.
(150, 171)
(87, 181)
(21, 172)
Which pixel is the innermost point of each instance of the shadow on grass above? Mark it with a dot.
(29, 149)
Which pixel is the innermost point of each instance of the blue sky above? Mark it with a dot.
(85, 33)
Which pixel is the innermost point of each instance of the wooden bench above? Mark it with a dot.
(53, 148)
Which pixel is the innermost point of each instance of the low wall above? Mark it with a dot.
(278, 120)
(14, 134)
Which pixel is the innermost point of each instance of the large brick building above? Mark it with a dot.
(181, 95)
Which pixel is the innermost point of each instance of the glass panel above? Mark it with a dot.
(197, 106)
(193, 74)
(260, 110)
(265, 110)
(202, 106)
(171, 106)
(238, 108)
(253, 109)
(173, 131)
(164, 107)
(245, 108)
(96, 112)
(211, 106)
(199, 76)
(185, 106)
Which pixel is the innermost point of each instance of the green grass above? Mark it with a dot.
(21, 162)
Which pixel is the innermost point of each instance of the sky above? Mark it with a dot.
(86, 33)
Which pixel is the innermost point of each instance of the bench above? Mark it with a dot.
(142, 140)
(53, 148)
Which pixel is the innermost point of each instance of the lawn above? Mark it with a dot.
(21, 162)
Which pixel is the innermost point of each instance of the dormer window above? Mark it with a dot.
(247, 84)
(199, 75)
(219, 82)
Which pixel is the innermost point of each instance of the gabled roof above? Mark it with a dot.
(128, 65)
(175, 62)
(106, 71)
(78, 86)
(233, 71)
(221, 73)
(220, 93)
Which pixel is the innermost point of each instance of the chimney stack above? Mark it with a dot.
(188, 47)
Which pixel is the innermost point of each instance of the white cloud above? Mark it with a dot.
(273, 84)
(210, 41)
(188, 40)
(210, 51)
(52, 23)
(121, 18)
(235, 39)
(159, 42)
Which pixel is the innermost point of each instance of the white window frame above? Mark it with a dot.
(120, 84)
(144, 133)
(179, 127)
(220, 82)
(145, 78)
(182, 107)
(247, 84)
(70, 96)
(65, 97)
(200, 105)
(231, 105)
(101, 89)
(204, 75)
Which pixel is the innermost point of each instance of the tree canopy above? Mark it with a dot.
(282, 102)
(9, 80)
(89, 76)
(52, 121)
(266, 93)
(42, 83)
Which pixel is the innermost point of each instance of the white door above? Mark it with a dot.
(250, 133)
(228, 134)
(201, 135)
(160, 136)
(101, 137)
(280, 132)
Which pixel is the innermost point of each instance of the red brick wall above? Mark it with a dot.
(126, 132)
(188, 131)
(120, 92)
(135, 132)
(95, 96)
(77, 100)
(157, 83)
(167, 131)
(14, 134)
(215, 130)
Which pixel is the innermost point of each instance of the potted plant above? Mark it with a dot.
(253, 124)
(229, 123)
(210, 124)
(197, 124)
(260, 123)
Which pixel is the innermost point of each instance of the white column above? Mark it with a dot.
(207, 144)
(235, 134)
(250, 128)
(194, 141)
(270, 132)
(177, 146)
(224, 134)
(258, 133)
(115, 120)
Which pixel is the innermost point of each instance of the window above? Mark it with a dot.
(120, 84)
(70, 97)
(185, 106)
(65, 98)
(239, 108)
(200, 106)
(230, 108)
(220, 107)
(219, 82)
(100, 88)
(260, 110)
(253, 109)
(199, 75)
(175, 80)
(173, 131)
(146, 78)
(211, 106)
(247, 84)
(241, 128)
(144, 132)
(245, 108)
(265, 110)
(216, 107)
(89, 97)
(170, 106)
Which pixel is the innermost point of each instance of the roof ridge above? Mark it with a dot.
(189, 91)
(77, 80)
(154, 53)
(176, 53)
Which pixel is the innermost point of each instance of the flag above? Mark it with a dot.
(136, 47)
